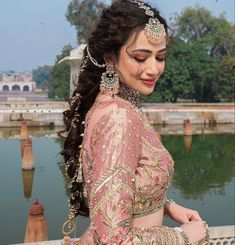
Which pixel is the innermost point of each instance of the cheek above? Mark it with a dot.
(134, 68)
(162, 68)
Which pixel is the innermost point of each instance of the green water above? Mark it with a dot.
(204, 180)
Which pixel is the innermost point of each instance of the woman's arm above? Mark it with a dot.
(179, 213)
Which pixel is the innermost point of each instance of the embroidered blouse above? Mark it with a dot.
(127, 172)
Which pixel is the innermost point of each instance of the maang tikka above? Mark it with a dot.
(109, 79)
(154, 29)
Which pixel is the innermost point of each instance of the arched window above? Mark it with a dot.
(15, 88)
(26, 88)
(5, 88)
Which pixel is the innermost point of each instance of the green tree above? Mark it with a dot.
(175, 82)
(83, 14)
(42, 76)
(60, 76)
(193, 63)
(190, 74)
(198, 24)
(225, 85)
(203, 69)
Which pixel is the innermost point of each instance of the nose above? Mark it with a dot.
(154, 68)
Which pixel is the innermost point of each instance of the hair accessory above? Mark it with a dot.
(109, 81)
(75, 103)
(93, 60)
(84, 64)
(154, 29)
(68, 228)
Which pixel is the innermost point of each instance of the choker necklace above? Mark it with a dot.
(129, 94)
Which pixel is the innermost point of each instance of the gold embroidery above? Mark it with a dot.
(105, 199)
(109, 175)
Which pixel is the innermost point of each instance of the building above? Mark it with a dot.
(12, 81)
(74, 60)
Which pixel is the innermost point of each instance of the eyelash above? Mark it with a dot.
(160, 59)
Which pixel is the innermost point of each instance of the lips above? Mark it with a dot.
(148, 81)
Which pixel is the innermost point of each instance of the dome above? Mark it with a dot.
(36, 209)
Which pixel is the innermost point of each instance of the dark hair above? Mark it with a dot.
(114, 28)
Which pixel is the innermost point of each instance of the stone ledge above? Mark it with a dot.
(219, 235)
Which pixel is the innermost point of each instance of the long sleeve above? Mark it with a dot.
(115, 150)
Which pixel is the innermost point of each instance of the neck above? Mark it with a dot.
(129, 94)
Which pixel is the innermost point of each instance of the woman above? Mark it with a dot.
(120, 170)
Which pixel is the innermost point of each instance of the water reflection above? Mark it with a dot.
(204, 167)
(208, 164)
(27, 178)
(47, 132)
(33, 132)
(203, 163)
(188, 140)
(66, 178)
(197, 129)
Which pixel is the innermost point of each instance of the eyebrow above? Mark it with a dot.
(147, 50)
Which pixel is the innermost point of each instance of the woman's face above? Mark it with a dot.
(141, 63)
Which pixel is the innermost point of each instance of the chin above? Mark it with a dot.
(147, 91)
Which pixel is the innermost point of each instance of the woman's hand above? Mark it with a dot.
(195, 230)
(181, 214)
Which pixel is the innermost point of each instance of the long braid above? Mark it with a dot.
(80, 102)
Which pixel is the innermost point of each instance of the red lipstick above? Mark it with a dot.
(149, 81)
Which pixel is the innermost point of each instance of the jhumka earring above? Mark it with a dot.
(109, 79)
(154, 29)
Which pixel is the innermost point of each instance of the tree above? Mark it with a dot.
(215, 33)
(42, 76)
(190, 74)
(226, 79)
(193, 69)
(175, 82)
(83, 14)
(60, 76)
(203, 69)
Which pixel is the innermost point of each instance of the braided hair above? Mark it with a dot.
(114, 28)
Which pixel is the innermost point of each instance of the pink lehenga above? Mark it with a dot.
(127, 172)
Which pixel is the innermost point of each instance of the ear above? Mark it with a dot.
(109, 59)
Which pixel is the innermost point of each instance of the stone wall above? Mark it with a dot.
(36, 114)
(48, 113)
(196, 113)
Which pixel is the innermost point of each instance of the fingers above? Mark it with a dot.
(194, 216)
(184, 220)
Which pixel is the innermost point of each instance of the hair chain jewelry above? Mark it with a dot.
(154, 29)
(93, 60)
(84, 64)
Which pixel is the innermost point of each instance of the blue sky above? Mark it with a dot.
(33, 32)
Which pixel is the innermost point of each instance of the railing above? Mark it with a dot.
(219, 235)
(222, 235)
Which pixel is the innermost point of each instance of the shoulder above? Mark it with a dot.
(115, 110)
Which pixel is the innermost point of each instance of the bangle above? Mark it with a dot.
(169, 201)
(184, 235)
(181, 241)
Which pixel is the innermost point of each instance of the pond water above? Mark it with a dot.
(203, 180)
